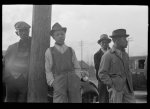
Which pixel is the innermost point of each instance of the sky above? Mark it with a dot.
(85, 23)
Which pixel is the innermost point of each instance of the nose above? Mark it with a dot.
(104, 44)
(62, 37)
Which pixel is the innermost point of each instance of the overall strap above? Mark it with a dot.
(71, 53)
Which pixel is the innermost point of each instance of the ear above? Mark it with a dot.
(17, 33)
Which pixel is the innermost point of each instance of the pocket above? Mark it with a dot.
(59, 82)
(112, 94)
(118, 83)
(53, 83)
(115, 96)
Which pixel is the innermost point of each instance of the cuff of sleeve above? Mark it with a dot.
(78, 73)
(50, 82)
(49, 78)
(100, 76)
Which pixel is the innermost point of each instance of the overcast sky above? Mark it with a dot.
(86, 23)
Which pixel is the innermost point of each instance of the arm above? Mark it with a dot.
(5, 62)
(104, 69)
(76, 64)
(48, 66)
(96, 65)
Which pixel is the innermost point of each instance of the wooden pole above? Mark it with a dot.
(41, 23)
(81, 54)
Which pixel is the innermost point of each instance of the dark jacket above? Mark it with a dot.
(97, 59)
(102, 88)
(16, 58)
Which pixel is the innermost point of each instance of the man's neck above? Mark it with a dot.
(25, 38)
(104, 50)
(59, 44)
(119, 48)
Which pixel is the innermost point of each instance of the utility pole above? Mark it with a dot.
(81, 53)
(41, 23)
(129, 39)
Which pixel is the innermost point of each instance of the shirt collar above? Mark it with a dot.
(117, 51)
(105, 50)
(58, 46)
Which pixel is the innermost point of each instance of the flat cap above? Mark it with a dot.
(22, 25)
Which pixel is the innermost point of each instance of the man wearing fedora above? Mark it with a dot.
(104, 43)
(62, 68)
(114, 70)
(16, 63)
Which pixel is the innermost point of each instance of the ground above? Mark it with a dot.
(141, 96)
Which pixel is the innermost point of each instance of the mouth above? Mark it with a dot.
(61, 40)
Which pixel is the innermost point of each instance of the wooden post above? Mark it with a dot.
(41, 23)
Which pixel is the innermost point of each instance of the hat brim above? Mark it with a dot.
(52, 31)
(25, 28)
(112, 36)
(109, 40)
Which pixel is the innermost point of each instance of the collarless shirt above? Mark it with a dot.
(104, 50)
(62, 48)
(49, 63)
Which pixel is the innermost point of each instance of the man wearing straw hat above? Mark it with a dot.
(62, 68)
(104, 43)
(114, 70)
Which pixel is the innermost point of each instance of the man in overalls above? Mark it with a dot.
(16, 63)
(114, 70)
(62, 68)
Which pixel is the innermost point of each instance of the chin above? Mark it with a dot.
(60, 43)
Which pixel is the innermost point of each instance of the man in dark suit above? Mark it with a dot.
(16, 62)
(104, 43)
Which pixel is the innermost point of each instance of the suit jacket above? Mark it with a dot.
(97, 59)
(115, 64)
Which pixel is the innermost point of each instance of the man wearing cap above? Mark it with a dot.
(62, 68)
(114, 70)
(16, 65)
(104, 43)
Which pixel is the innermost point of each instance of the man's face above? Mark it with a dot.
(23, 33)
(122, 41)
(59, 37)
(104, 44)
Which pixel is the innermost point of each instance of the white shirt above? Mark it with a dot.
(49, 63)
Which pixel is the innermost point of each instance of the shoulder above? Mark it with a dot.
(97, 53)
(70, 48)
(12, 46)
(11, 49)
(107, 54)
(48, 51)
